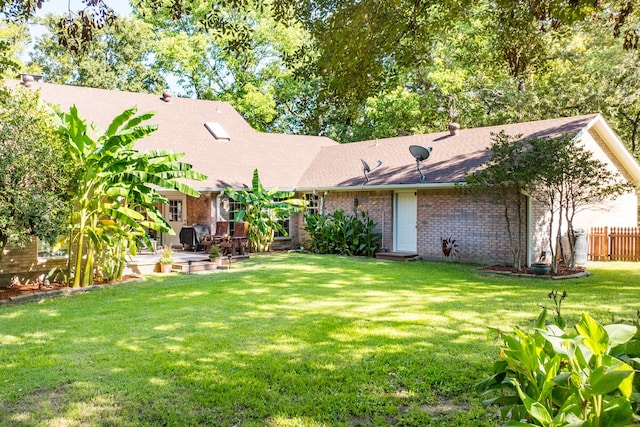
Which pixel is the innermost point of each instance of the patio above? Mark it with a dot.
(185, 261)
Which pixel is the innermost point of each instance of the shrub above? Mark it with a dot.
(342, 234)
(550, 377)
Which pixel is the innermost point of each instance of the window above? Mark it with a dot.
(175, 210)
(285, 224)
(227, 209)
(217, 130)
(313, 203)
(45, 250)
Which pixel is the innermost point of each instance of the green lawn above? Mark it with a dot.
(281, 340)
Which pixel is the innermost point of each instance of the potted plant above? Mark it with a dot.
(215, 255)
(166, 260)
(539, 268)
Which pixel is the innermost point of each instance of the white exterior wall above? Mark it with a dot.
(619, 212)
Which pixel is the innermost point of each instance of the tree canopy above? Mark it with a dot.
(367, 69)
(35, 177)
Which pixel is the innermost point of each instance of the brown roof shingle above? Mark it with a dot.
(280, 159)
(292, 161)
(452, 156)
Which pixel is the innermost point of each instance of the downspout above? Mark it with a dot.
(529, 236)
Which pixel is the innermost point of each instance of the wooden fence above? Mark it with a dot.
(614, 244)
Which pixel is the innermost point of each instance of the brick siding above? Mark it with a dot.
(23, 264)
(478, 228)
(199, 210)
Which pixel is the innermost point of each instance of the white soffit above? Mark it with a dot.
(217, 130)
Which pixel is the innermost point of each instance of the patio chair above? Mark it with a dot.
(222, 231)
(207, 242)
(239, 238)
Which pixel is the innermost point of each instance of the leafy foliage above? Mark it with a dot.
(559, 173)
(117, 57)
(550, 377)
(569, 180)
(34, 174)
(115, 192)
(263, 210)
(502, 181)
(342, 234)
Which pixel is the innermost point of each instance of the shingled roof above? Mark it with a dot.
(281, 159)
(452, 157)
(307, 163)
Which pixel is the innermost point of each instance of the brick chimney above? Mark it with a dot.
(30, 80)
(453, 128)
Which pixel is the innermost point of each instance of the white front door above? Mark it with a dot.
(406, 215)
(176, 215)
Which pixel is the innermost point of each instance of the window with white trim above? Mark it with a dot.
(175, 210)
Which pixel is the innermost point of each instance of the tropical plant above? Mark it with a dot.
(339, 233)
(116, 198)
(264, 210)
(550, 377)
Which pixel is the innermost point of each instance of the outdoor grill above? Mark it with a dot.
(191, 237)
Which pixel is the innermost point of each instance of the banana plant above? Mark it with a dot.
(263, 210)
(116, 189)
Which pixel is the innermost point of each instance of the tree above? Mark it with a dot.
(34, 176)
(210, 64)
(503, 180)
(263, 210)
(118, 57)
(115, 193)
(73, 30)
(569, 180)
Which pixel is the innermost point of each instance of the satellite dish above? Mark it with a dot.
(365, 169)
(420, 153)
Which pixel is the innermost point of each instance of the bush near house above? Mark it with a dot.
(339, 233)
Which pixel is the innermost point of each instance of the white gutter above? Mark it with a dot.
(416, 186)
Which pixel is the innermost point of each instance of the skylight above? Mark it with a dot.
(217, 130)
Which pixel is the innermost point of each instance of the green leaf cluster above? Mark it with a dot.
(339, 233)
(551, 377)
(264, 210)
(34, 174)
(115, 190)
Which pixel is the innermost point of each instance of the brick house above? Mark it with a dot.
(413, 214)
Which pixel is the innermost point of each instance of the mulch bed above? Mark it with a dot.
(18, 290)
(564, 272)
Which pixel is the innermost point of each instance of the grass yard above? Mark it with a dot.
(281, 340)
